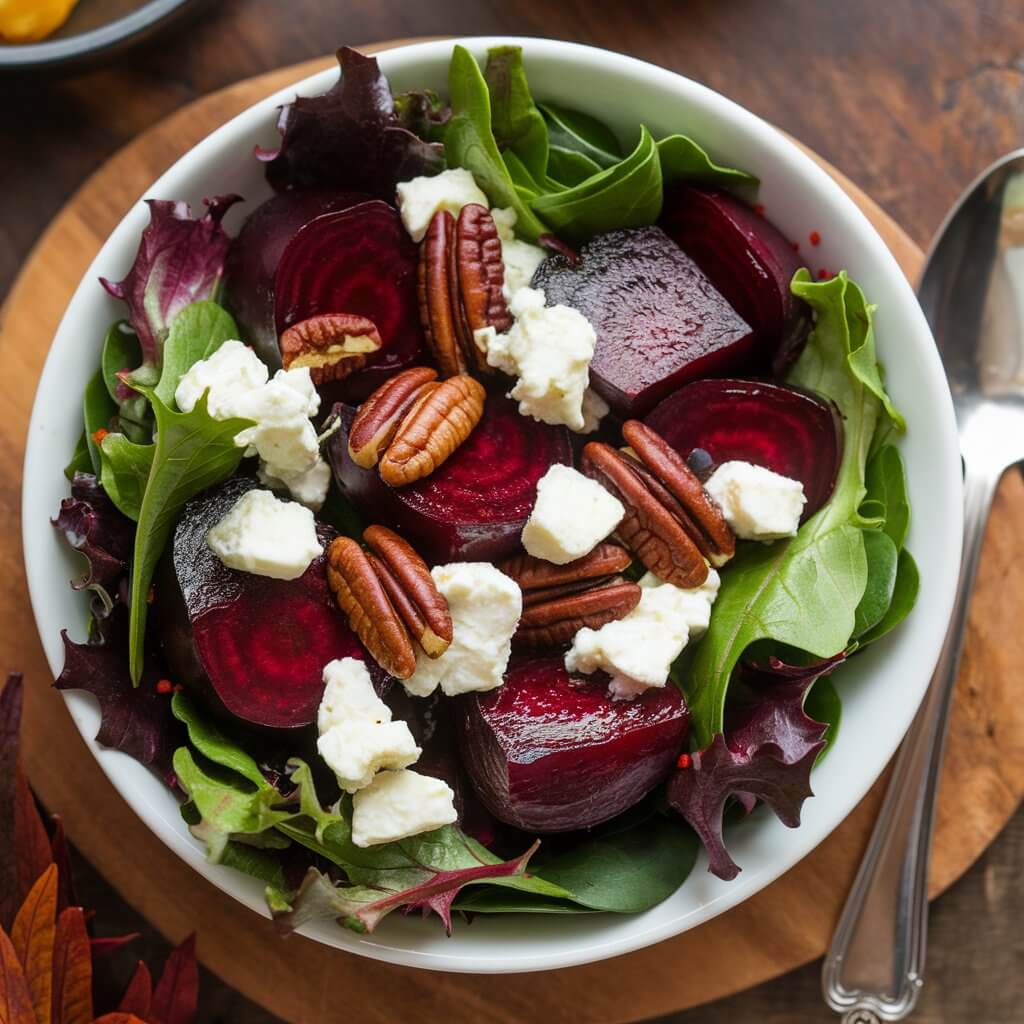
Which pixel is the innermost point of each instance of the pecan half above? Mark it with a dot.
(460, 279)
(332, 345)
(362, 597)
(560, 600)
(412, 590)
(438, 422)
(378, 417)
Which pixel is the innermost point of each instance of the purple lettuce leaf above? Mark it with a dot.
(92, 524)
(180, 261)
(135, 720)
(768, 754)
(351, 137)
(362, 907)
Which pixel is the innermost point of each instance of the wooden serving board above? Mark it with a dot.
(784, 926)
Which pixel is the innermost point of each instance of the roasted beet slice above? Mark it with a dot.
(787, 430)
(659, 321)
(254, 254)
(748, 260)
(475, 505)
(549, 752)
(252, 646)
(360, 260)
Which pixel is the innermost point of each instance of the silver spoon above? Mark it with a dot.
(972, 292)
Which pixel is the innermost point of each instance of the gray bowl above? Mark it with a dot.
(95, 30)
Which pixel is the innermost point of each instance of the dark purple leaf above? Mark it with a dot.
(362, 907)
(350, 137)
(138, 996)
(180, 261)
(31, 843)
(108, 944)
(61, 854)
(10, 729)
(768, 755)
(136, 720)
(92, 525)
(177, 992)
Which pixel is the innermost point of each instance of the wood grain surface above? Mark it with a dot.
(911, 101)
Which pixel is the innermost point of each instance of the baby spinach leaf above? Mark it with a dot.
(124, 472)
(517, 124)
(887, 484)
(196, 332)
(567, 168)
(80, 462)
(257, 863)
(121, 351)
(626, 195)
(98, 409)
(572, 131)
(904, 596)
(525, 185)
(486, 899)
(823, 704)
(469, 141)
(192, 451)
(881, 557)
(682, 159)
(803, 592)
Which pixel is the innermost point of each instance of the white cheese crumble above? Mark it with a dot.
(283, 437)
(638, 650)
(400, 804)
(521, 259)
(757, 503)
(572, 514)
(357, 736)
(595, 408)
(266, 536)
(420, 198)
(485, 606)
(549, 348)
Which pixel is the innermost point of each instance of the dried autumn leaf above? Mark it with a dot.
(10, 726)
(138, 996)
(60, 854)
(109, 944)
(15, 1001)
(177, 992)
(32, 851)
(119, 1018)
(72, 970)
(33, 935)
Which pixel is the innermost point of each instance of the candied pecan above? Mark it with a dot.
(378, 417)
(332, 345)
(536, 574)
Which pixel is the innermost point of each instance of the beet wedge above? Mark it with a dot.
(473, 507)
(787, 430)
(250, 646)
(659, 321)
(548, 752)
(255, 253)
(749, 261)
(362, 261)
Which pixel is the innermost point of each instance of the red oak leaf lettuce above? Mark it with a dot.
(93, 525)
(767, 755)
(351, 137)
(180, 261)
(362, 907)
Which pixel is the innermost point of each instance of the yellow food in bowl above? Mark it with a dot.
(28, 21)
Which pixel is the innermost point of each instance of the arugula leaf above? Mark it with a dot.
(881, 557)
(886, 484)
(803, 592)
(98, 409)
(125, 468)
(904, 596)
(572, 131)
(682, 159)
(629, 194)
(192, 452)
(196, 332)
(469, 141)
(517, 124)
(81, 462)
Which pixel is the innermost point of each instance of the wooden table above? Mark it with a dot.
(909, 99)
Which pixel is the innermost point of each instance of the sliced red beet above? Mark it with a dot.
(360, 260)
(748, 260)
(252, 646)
(254, 254)
(659, 321)
(549, 752)
(474, 507)
(787, 430)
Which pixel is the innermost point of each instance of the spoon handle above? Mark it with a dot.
(874, 968)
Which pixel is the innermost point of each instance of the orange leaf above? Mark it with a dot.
(15, 1001)
(119, 1018)
(33, 935)
(138, 996)
(72, 970)
(31, 843)
(177, 992)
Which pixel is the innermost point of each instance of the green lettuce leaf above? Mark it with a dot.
(682, 159)
(804, 592)
(98, 409)
(124, 473)
(196, 332)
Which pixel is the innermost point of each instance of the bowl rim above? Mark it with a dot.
(942, 435)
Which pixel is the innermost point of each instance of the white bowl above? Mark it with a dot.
(881, 690)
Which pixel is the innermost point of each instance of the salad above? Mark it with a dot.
(483, 526)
